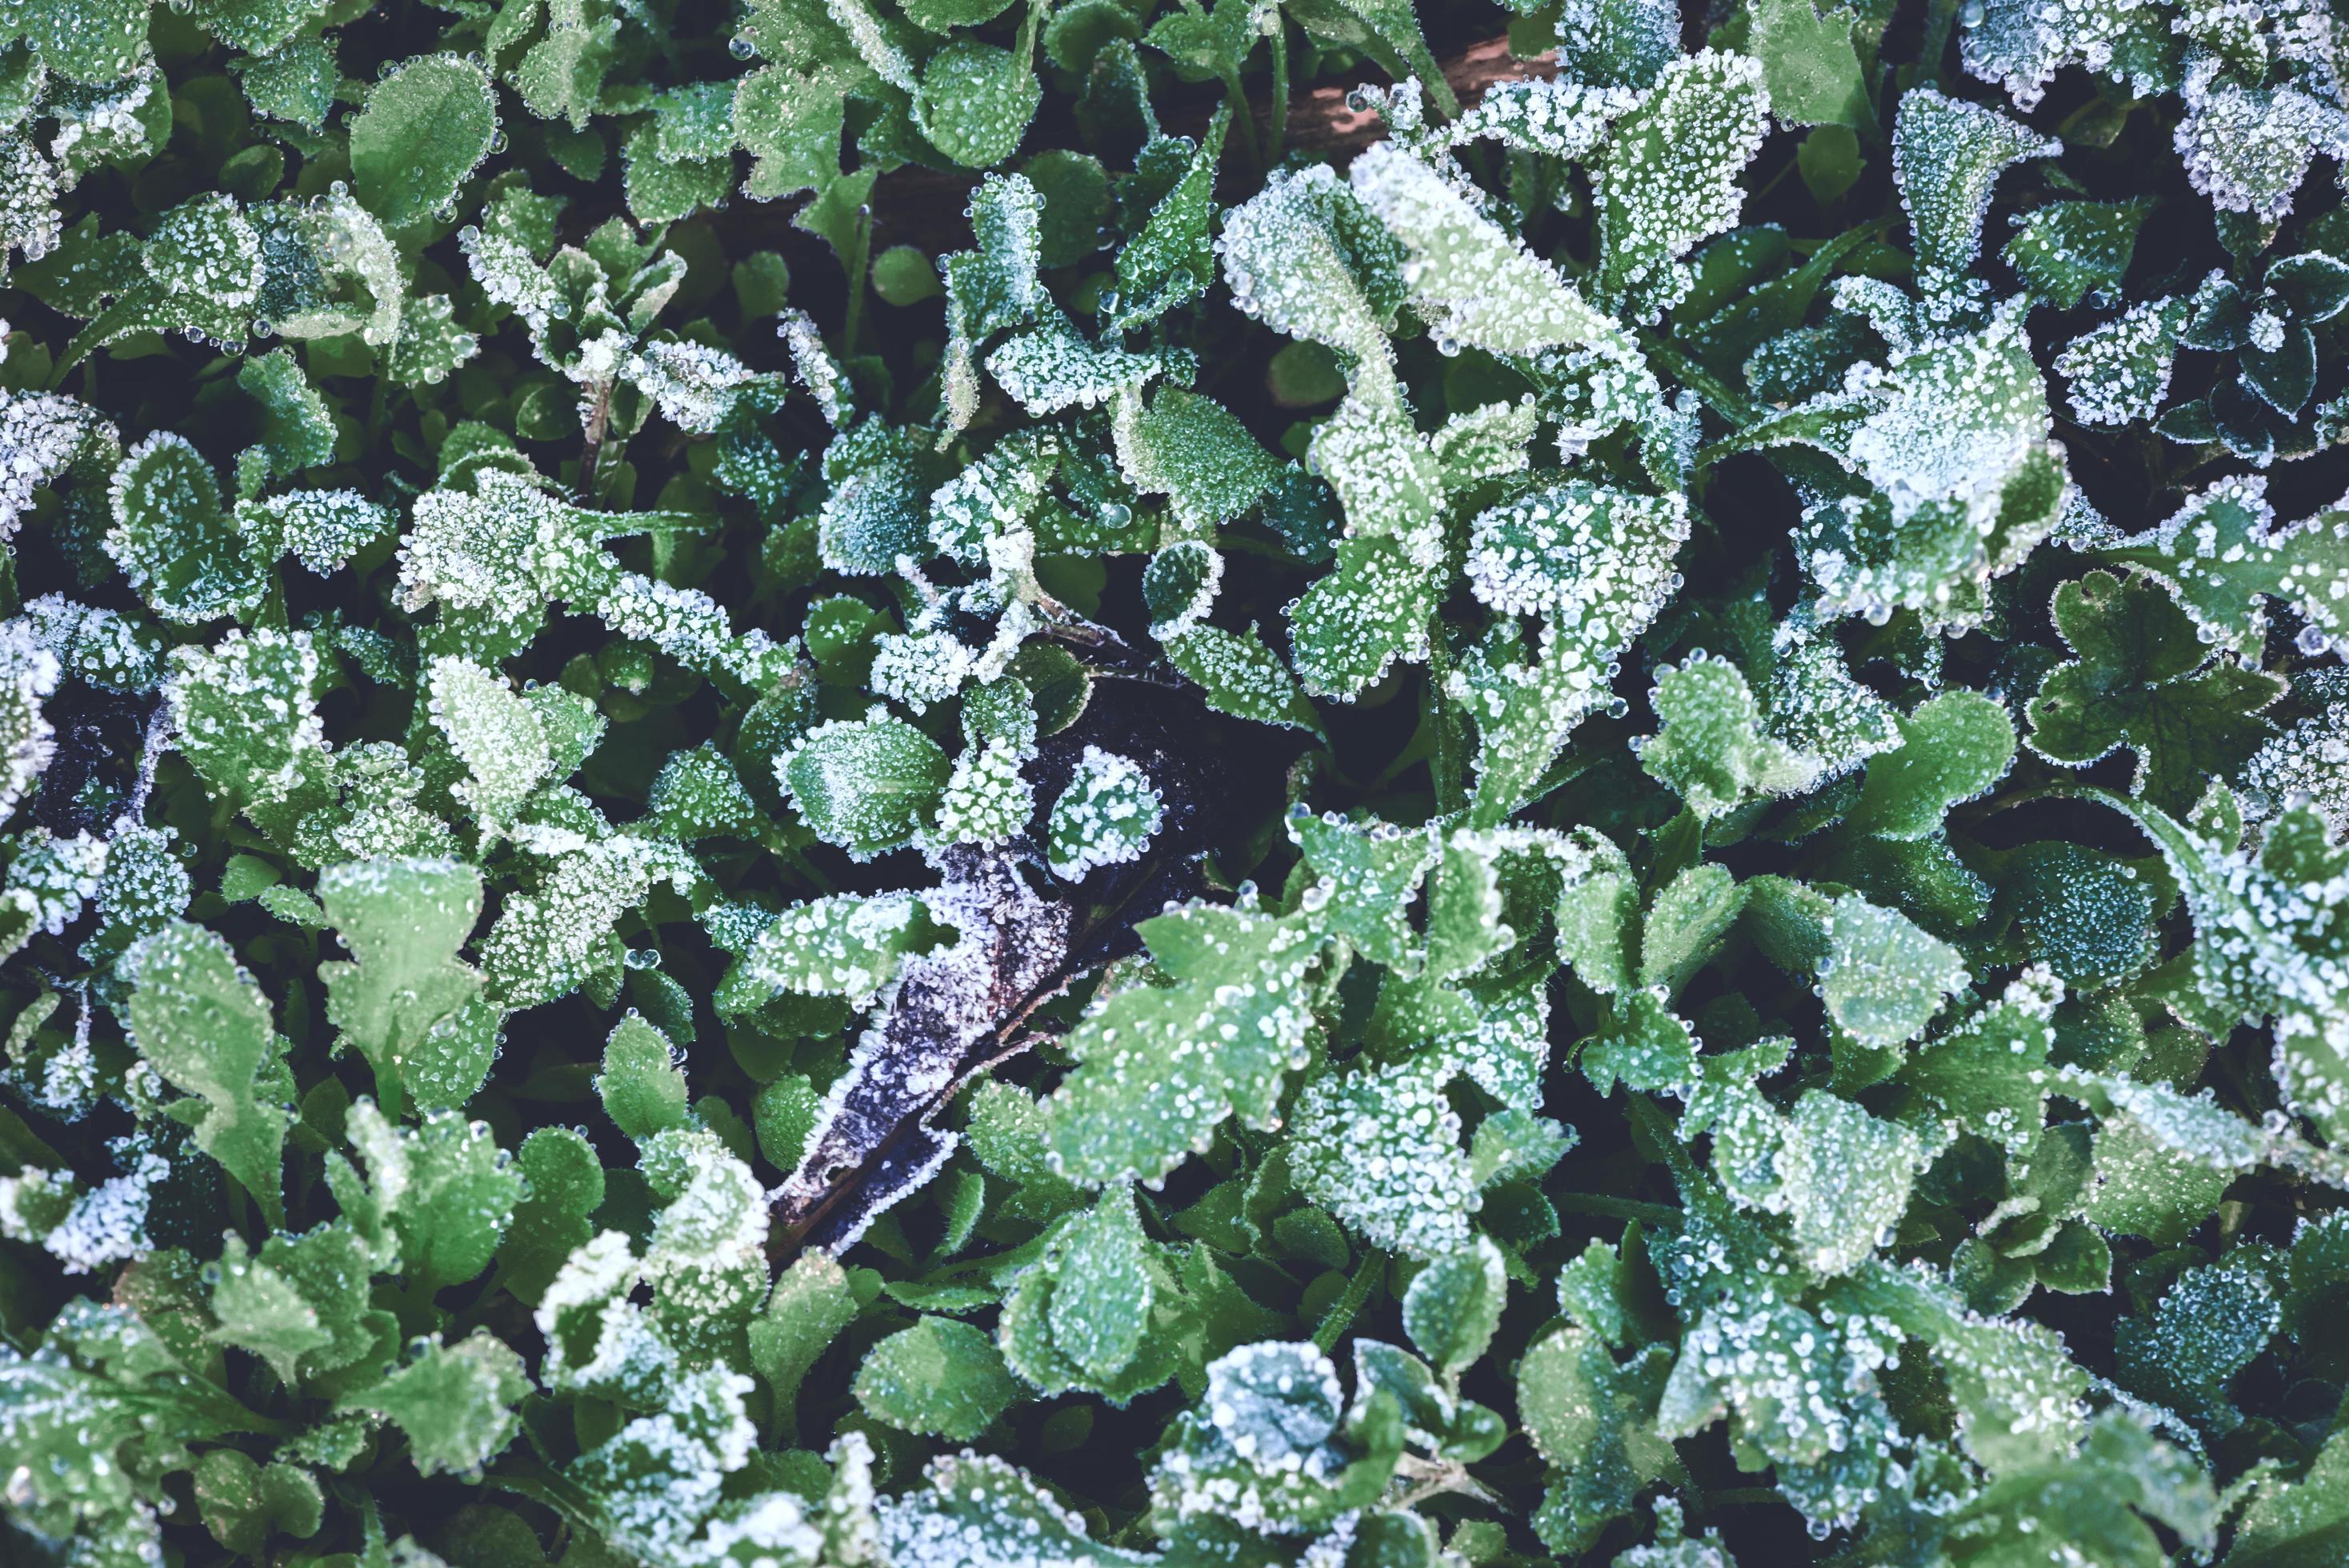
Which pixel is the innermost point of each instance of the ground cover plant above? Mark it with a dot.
(1014, 782)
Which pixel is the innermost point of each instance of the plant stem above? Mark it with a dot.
(1341, 1311)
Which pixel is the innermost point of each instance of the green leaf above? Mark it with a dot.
(1147, 1088)
(175, 541)
(1452, 1307)
(1809, 63)
(1592, 1419)
(1883, 976)
(1669, 178)
(1952, 749)
(2067, 250)
(454, 1403)
(2144, 680)
(641, 1085)
(939, 1377)
(2224, 556)
(1947, 154)
(1240, 677)
(243, 1503)
(424, 129)
(1102, 1303)
(1844, 1176)
(1171, 260)
(975, 100)
(1195, 451)
(200, 1021)
(865, 785)
(810, 1304)
(399, 1003)
(1711, 749)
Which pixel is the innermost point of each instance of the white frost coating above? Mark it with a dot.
(28, 674)
(1476, 284)
(693, 384)
(814, 366)
(2308, 764)
(2248, 148)
(40, 434)
(1106, 816)
(2119, 372)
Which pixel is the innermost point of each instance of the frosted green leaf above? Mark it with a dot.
(866, 784)
(1052, 368)
(562, 75)
(295, 83)
(846, 946)
(28, 674)
(1947, 155)
(1365, 876)
(939, 1377)
(699, 795)
(296, 429)
(1617, 44)
(2019, 1397)
(1472, 283)
(1592, 1419)
(84, 43)
(424, 129)
(2247, 147)
(1453, 1306)
(987, 801)
(2224, 556)
(321, 528)
(1350, 627)
(1178, 586)
(2067, 250)
(1241, 677)
(454, 1402)
(993, 287)
(1953, 438)
(174, 541)
(556, 929)
(808, 1308)
(2269, 942)
(200, 1021)
(263, 1312)
(2119, 372)
(1194, 450)
(403, 922)
(1952, 749)
(1692, 915)
(1561, 118)
(2144, 681)
(1595, 560)
(551, 1222)
(1106, 816)
(1884, 977)
(243, 1503)
(246, 713)
(1101, 1303)
(1385, 473)
(975, 100)
(42, 437)
(493, 733)
(1171, 263)
(1160, 1067)
(1809, 63)
(1844, 1177)
(641, 1086)
(1711, 749)
(1380, 1149)
(1670, 175)
(1305, 257)
(977, 1512)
